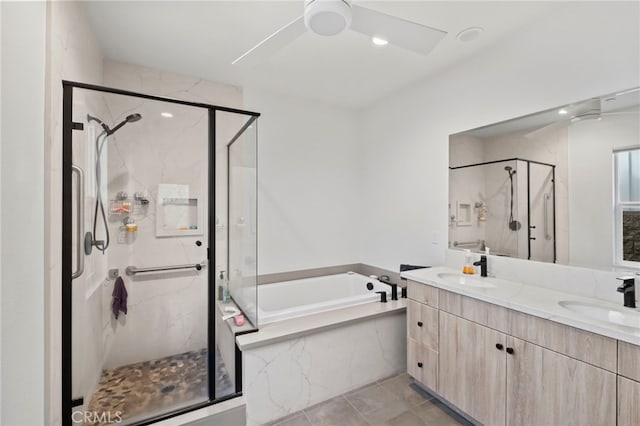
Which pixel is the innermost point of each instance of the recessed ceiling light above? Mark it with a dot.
(166, 114)
(470, 34)
(563, 111)
(379, 41)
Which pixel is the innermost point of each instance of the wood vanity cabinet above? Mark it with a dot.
(422, 343)
(493, 367)
(628, 384)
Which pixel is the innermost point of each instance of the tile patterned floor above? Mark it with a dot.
(146, 388)
(394, 402)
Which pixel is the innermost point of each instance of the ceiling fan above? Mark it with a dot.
(584, 111)
(332, 17)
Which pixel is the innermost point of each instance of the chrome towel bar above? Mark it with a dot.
(132, 270)
(466, 243)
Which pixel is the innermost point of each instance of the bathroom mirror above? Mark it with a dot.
(561, 185)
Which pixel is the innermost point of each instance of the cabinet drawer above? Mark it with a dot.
(487, 314)
(422, 364)
(422, 324)
(629, 360)
(422, 293)
(628, 406)
(579, 344)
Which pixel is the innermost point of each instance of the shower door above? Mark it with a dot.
(139, 336)
(541, 212)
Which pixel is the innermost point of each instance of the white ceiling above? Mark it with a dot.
(202, 39)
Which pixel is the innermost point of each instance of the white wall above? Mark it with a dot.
(584, 49)
(309, 166)
(23, 116)
(73, 54)
(591, 144)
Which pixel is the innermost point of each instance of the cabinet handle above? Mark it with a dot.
(419, 323)
(420, 364)
(510, 351)
(499, 346)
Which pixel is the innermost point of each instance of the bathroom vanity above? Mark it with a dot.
(503, 352)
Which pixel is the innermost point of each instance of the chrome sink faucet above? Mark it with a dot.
(628, 288)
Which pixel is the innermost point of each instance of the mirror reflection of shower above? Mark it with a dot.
(513, 215)
(514, 225)
(90, 237)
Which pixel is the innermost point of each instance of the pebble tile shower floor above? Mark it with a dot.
(151, 387)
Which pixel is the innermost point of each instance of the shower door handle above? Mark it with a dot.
(546, 216)
(79, 221)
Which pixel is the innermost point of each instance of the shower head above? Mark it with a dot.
(133, 118)
(91, 118)
(130, 119)
(508, 168)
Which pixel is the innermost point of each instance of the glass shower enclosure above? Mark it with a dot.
(507, 206)
(148, 185)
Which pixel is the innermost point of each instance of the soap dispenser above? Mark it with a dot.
(468, 263)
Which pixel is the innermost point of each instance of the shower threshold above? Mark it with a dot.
(142, 390)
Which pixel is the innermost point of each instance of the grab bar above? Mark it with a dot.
(546, 216)
(132, 270)
(466, 243)
(79, 221)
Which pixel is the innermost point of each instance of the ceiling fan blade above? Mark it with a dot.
(270, 45)
(399, 32)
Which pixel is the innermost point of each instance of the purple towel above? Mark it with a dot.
(119, 298)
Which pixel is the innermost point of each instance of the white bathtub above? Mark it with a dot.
(291, 299)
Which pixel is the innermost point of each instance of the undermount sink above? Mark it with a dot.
(465, 280)
(623, 316)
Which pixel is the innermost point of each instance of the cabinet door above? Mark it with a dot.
(547, 388)
(422, 324)
(471, 369)
(628, 402)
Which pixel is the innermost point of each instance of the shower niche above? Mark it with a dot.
(139, 225)
(178, 211)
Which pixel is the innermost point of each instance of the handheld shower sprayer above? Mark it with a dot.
(514, 225)
(99, 206)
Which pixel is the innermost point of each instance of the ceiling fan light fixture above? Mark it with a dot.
(327, 17)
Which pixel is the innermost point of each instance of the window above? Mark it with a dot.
(627, 207)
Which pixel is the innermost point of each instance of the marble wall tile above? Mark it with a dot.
(285, 377)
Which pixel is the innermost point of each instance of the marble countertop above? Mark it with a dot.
(530, 299)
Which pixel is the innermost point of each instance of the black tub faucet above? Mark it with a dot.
(628, 288)
(482, 263)
(394, 287)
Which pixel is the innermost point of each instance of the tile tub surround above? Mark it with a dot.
(394, 401)
(291, 365)
(530, 299)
